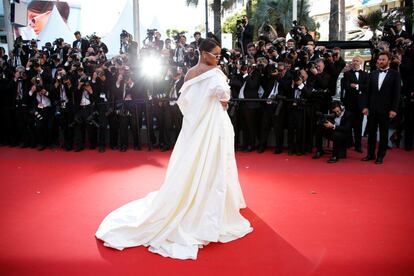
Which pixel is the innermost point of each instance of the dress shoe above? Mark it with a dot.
(163, 149)
(78, 149)
(277, 151)
(291, 152)
(299, 153)
(137, 148)
(318, 154)
(368, 158)
(358, 150)
(260, 150)
(333, 159)
(379, 160)
(42, 148)
(123, 149)
(248, 149)
(101, 149)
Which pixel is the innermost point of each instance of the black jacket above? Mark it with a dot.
(353, 98)
(388, 97)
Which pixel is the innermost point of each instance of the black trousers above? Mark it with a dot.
(173, 123)
(19, 126)
(249, 125)
(409, 125)
(357, 119)
(43, 124)
(382, 122)
(296, 139)
(83, 127)
(64, 120)
(339, 140)
(269, 121)
(102, 121)
(128, 119)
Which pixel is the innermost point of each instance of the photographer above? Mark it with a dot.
(18, 103)
(64, 91)
(273, 115)
(197, 40)
(127, 91)
(250, 109)
(80, 43)
(297, 95)
(42, 111)
(244, 34)
(20, 52)
(300, 35)
(191, 58)
(61, 49)
(180, 51)
(101, 86)
(336, 127)
(128, 45)
(320, 80)
(85, 115)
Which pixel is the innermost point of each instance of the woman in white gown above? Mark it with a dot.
(200, 198)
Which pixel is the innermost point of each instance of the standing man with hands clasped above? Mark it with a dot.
(381, 105)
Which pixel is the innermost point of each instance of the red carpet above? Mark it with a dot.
(309, 217)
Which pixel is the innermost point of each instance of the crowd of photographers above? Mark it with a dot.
(61, 94)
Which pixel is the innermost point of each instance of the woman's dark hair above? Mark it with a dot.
(45, 6)
(208, 44)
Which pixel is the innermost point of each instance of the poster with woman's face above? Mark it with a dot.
(38, 14)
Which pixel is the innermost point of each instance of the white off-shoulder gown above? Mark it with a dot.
(200, 199)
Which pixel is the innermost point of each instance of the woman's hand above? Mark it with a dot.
(224, 104)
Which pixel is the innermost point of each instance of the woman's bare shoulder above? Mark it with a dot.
(192, 73)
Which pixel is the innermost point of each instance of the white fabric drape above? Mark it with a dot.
(200, 198)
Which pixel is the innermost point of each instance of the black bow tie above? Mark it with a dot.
(357, 71)
(383, 71)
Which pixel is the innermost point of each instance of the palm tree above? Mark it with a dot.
(217, 7)
(373, 20)
(334, 20)
(279, 14)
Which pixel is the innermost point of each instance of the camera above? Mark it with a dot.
(85, 81)
(323, 118)
(91, 119)
(58, 42)
(38, 117)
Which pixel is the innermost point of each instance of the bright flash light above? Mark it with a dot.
(151, 66)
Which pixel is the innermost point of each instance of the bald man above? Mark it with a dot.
(355, 84)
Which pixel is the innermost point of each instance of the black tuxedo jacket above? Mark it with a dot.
(251, 89)
(387, 98)
(353, 98)
(12, 94)
(84, 46)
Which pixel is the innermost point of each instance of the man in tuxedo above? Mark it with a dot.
(355, 84)
(381, 105)
(249, 109)
(336, 129)
(128, 91)
(80, 43)
(297, 95)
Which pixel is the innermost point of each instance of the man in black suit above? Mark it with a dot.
(297, 95)
(247, 34)
(355, 84)
(80, 43)
(381, 105)
(249, 109)
(336, 129)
